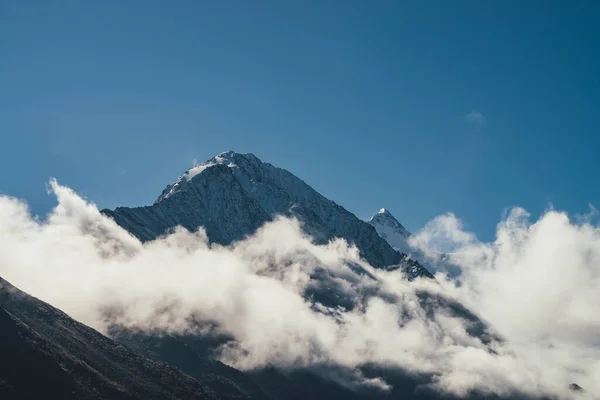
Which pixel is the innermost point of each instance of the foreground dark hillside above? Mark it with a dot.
(45, 354)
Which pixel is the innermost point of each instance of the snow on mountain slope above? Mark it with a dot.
(388, 227)
(231, 195)
(391, 230)
(221, 159)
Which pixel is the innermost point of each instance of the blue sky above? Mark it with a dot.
(420, 107)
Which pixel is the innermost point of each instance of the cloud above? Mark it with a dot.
(537, 285)
(475, 117)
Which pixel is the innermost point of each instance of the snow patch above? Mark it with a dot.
(196, 170)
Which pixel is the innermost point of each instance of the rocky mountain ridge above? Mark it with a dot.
(231, 195)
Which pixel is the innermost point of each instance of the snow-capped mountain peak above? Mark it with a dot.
(227, 158)
(391, 230)
(231, 195)
(384, 218)
(384, 213)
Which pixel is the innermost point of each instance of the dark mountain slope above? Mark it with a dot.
(45, 354)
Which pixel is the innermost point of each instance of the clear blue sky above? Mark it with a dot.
(367, 101)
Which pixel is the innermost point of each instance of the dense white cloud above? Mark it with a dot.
(537, 285)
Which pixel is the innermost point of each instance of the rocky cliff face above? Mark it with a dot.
(231, 195)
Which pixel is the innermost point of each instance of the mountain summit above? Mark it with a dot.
(226, 158)
(391, 230)
(231, 195)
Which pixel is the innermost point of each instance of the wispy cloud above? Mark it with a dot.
(475, 117)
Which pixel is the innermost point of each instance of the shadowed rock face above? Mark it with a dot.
(232, 195)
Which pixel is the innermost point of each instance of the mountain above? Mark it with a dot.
(231, 195)
(45, 354)
(391, 230)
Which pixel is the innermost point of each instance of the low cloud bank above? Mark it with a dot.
(537, 285)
